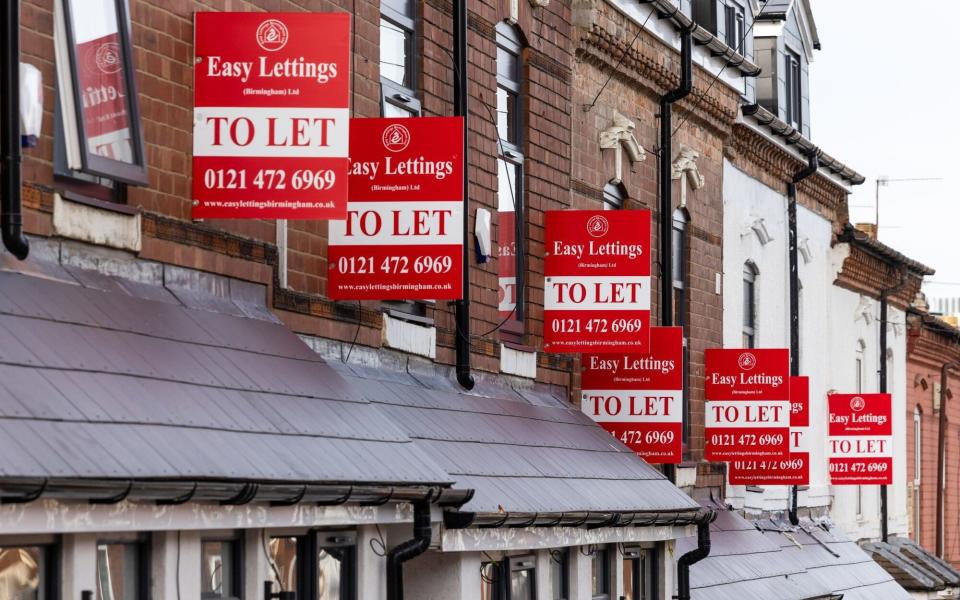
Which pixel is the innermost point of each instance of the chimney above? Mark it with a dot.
(868, 228)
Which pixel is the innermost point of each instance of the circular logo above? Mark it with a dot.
(272, 35)
(108, 57)
(598, 226)
(747, 361)
(396, 138)
(857, 404)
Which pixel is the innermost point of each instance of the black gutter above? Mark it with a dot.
(884, 294)
(665, 158)
(460, 96)
(11, 217)
(941, 450)
(412, 548)
(694, 556)
(457, 519)
(813, 163)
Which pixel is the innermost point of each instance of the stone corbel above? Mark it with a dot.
(539, 3)
(619, 136)
(685, 166)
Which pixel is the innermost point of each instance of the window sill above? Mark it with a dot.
(409, 317)
(409, 336)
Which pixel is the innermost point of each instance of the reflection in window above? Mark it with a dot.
(219, 577)
(328, 574)
(559, 575)
(638, 574)
(23, 573)
(600, 574)
(283, 556)
(398, 73)
(749, 306)
(523, 578)
(490, 583)
(119, 572)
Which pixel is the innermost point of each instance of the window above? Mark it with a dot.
(221, 565)
(792, 73)
(679, 242)
(749, 305)
(639, 574)
(27, 572)
(398, 72)
(705, 14)
(917, 453)
(491, 581)
(317, 566)
(99, 116)
(560, 574)
(614, 196)
(734, 26)
(510, 263)
(122, 572)
(522, 578)
(600, 574)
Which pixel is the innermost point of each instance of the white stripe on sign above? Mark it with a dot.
(748, 414)
(857, 446)
(597, 293)
(271, 132)
(623, 406)
(799, 439)
(399, 224)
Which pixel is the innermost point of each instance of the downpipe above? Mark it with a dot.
(11, 217)
(460, 97)
(694, 556)
(941, 451)
(884, 295)
(422, 532)
(813, 163)
(666, 187)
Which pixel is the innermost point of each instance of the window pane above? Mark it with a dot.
(508, 65)
(396, 45)
(629, 569)
(217, 574)
(392, 111)
(521, 585)
(507, 174)
(558, 575)
(22, 573)
(598, 573)
(283, 555)
(328, 576)
(488, 581)
(101, 83)
(118, 572)
(507, 116)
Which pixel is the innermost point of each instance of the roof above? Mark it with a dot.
(745, 563)
(853, 235)
(201, 387)
(523, 451)
(768, 559)
(793, 137)
(190, 377)
(912, 566)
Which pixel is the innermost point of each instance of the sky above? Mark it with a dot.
(883, 93)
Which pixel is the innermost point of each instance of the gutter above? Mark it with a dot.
(11, 217)
(456, 519)
(813, 164)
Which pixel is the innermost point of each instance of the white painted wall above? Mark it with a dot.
(830, 331)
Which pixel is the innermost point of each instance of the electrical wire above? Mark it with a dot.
(716, 78)
(619, 63)
(356, 335)
(375, 542)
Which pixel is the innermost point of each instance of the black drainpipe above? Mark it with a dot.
(462, 316)
(11, 218)
(694, 556)
(412, 548)
(666, 187)
(941, 451)
(884, 294)
(813, 163)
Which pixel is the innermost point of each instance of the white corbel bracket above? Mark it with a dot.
(619, 136)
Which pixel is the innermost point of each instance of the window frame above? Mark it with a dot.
(749, 329)
(735, 21)
(514, 564)
(602, 555)
(237, 560)
(134, 173)
(511, 152)
(681, 253)
(615, 195)
(392, 93)
(560, 559)
(644, 571)
(50, 547)
(793, 76)
(309, 545)
(141, 543)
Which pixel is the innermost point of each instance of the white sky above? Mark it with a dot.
(884, 101)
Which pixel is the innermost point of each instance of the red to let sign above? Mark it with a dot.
(271, 115)
(748, 405)
(638, 398)
(597, 281)
(794, 470)
(403, 235)
(860, 439)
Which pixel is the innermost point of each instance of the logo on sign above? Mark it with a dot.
(857, 404)
(747, 361)
(396, 138)
(108, 58)
(272, 35)
(598, 226)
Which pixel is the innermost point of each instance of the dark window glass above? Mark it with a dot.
(100, 117)
(749, 306)
(600, 574)
(120, 571)
(680, 268)
(614, 196)
(220, 568)
(705, 14)
(794, 91)
(733, 21)
(639, 574)
(317, 566)
(560, 574)
(24, 573)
